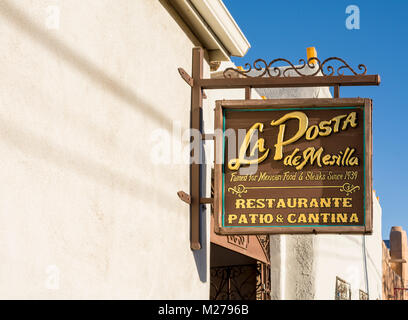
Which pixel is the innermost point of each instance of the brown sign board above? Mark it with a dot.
(293, 166)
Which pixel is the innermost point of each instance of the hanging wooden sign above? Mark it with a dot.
(293, 166)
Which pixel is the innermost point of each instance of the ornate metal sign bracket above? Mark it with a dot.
(310, 73)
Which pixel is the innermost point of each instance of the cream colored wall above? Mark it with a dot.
(84, 213)
(305, 267)
(356, 259)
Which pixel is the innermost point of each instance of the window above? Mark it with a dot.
(343, 290)
(363, 295)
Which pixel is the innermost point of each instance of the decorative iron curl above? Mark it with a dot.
(324, 68)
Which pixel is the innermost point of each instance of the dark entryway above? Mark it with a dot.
(235, 276)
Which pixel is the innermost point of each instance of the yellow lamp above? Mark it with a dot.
(311, 53)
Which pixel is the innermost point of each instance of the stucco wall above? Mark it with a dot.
(84, 210)
(305, 267)
(356, 259)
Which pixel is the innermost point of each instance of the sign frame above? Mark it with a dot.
(222, 105)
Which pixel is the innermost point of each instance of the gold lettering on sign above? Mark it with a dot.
(279, 203)
(295, 218)
(234, 164)
(308, 156)
(303, 122)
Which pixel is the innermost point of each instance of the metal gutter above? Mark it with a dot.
(213, 26)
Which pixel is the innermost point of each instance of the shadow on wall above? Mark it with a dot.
(82, 64)
(200, 256)
(176, 17)
(27, 142)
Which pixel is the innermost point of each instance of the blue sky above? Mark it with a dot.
(284, 29)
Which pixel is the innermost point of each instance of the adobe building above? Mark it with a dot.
(395, 255)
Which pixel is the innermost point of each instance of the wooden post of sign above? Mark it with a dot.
(195, 168)
(336, 91)
(247, 93)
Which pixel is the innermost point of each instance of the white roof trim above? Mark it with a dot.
(223, 24)
(213, 26)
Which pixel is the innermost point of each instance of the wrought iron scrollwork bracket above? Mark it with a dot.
(271, 70)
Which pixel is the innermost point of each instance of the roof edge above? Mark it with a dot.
(212, 24)
(223, 24)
